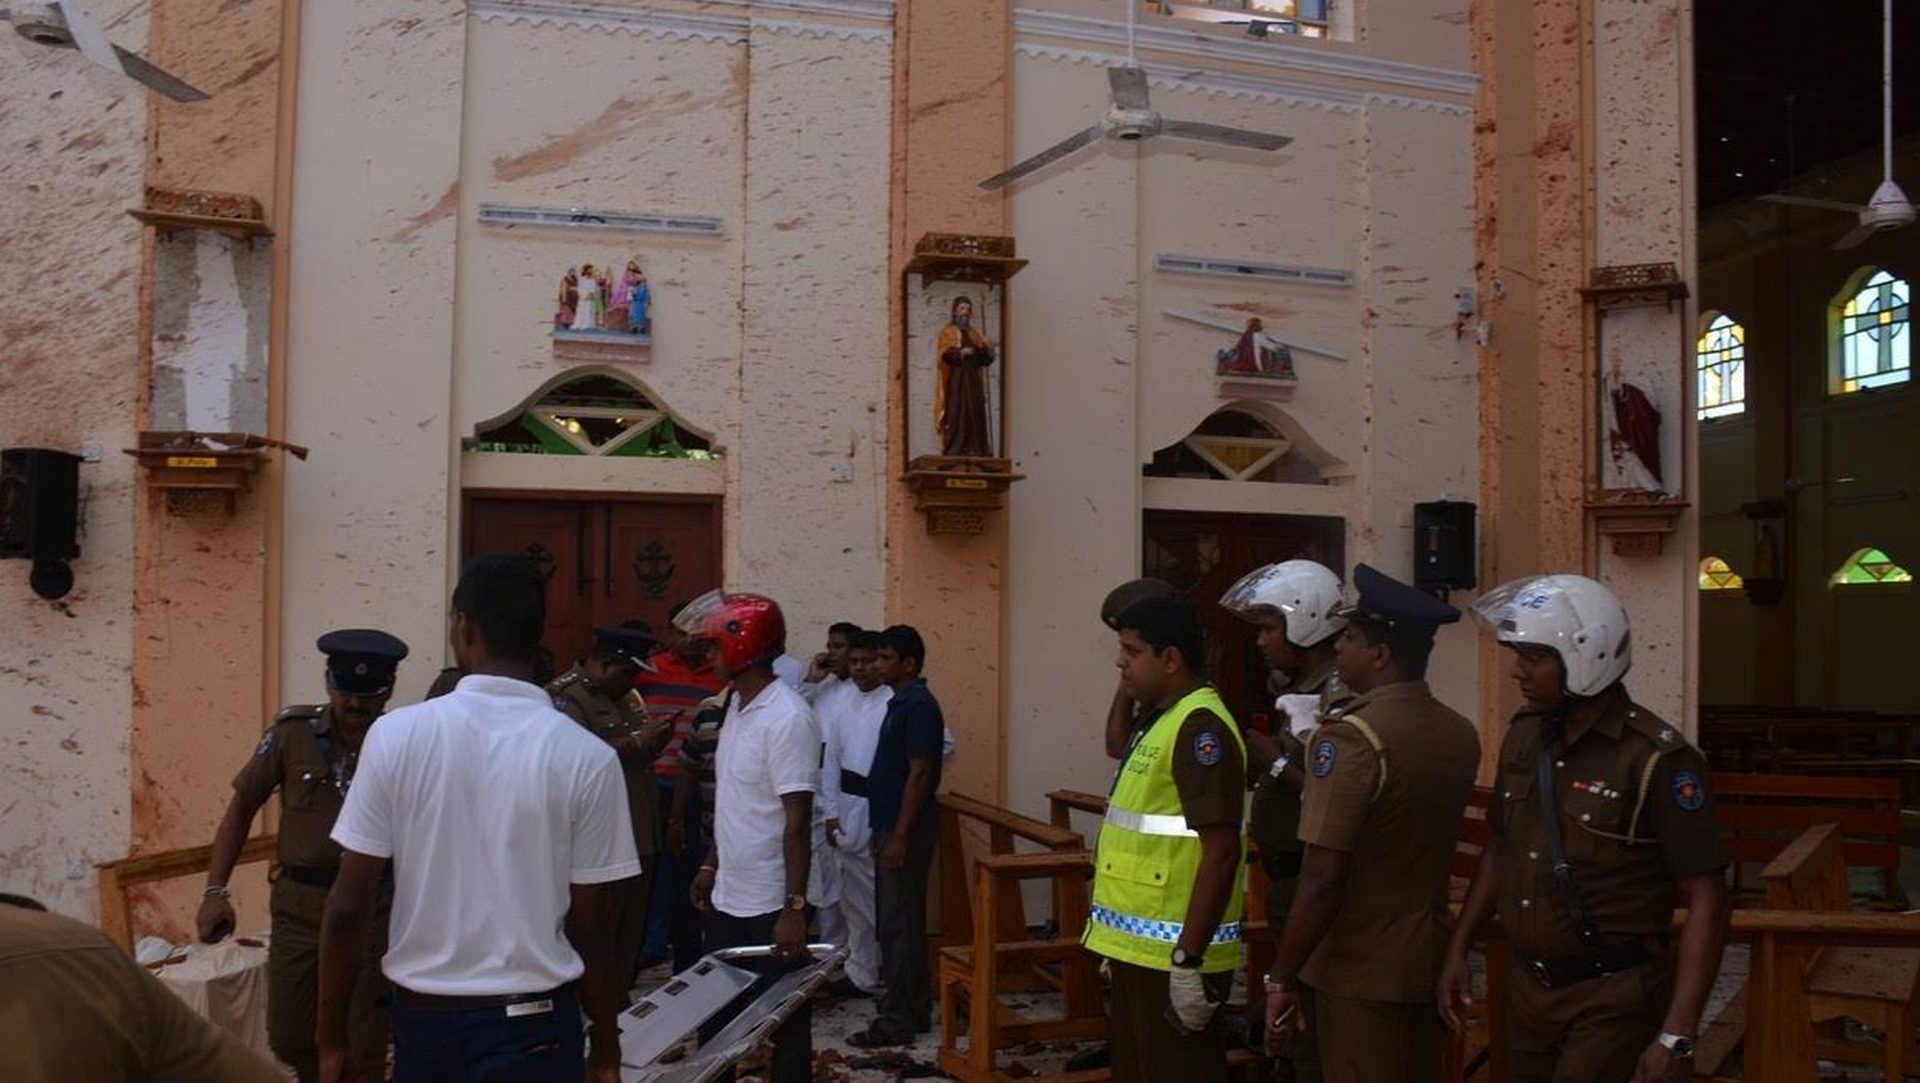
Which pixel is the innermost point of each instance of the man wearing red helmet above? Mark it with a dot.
(753, 885)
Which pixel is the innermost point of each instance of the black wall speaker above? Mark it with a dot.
(40, 514)
(1444, 557)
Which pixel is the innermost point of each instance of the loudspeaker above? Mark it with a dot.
(39, 504)
(1443, 550)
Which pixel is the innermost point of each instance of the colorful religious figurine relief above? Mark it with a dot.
(1256, 354)
(592, 301)
(960, 397)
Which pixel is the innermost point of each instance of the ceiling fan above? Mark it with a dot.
(1889, 208)
(1130, 117)
(63, 25)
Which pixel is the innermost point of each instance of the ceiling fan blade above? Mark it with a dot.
(1808, 201)
(89, 38)
(1129, 87)
(1215, 133)
(1051, 154)
(1855, 237)
(165, 82)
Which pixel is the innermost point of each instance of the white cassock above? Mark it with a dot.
(850, 723)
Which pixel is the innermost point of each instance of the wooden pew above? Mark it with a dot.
(117, 877)
(1004, 830)
(1760, 815)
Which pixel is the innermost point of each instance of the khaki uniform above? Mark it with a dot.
(1146, 1048)
(73, 1006)
(1387, 780)
(307, 762)
(1273, 823)
(1636, 817)
(576, 696)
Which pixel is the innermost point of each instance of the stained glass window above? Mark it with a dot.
(595, 415)
(1716, 575)
(1721, 361)
(1262, 18)
(1870, 567)
(1876, 335)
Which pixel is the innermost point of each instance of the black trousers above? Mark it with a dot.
(906, 1005)
(793, 1042)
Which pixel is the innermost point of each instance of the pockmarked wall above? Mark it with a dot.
(70, 267)
(1112, 359)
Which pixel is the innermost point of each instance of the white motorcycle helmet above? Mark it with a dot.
(1305, 593)
(1576, 617)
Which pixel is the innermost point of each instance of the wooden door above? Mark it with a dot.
(605, 560)
(1202, 554)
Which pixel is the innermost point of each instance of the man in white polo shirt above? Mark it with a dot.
(505, 823)
(752, 888)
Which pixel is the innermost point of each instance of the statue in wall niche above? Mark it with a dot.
(1634, 436)
(1256, 354)
(569, 300)
(592, 301)
(960, 398)
(632, 298)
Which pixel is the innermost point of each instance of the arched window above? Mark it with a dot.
(1716, 575)
(1875, 336)
(592, 413)
(1232, 445)
(1720, 359)
(1869, 567)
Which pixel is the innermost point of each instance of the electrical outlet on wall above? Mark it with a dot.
(840, 472)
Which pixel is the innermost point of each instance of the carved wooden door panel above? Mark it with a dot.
(606, 560)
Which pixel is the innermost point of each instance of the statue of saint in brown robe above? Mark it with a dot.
(960, 398)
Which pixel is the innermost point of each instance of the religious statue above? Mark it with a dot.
(960, 398)
(569, 299)
(1255, 354)
(1634, 436)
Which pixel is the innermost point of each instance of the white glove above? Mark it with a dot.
(1187, 997)
(1302, 711)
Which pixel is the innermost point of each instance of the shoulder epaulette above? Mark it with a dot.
(301, 712)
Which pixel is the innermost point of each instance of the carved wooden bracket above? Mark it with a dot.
(959, 494)
(199, 468)
(1637, 523)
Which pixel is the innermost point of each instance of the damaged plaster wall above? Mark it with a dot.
(69, 365)
(211, 295)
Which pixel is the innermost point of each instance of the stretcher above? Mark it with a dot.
(666, 1016)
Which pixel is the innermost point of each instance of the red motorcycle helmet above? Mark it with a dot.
(745, 628)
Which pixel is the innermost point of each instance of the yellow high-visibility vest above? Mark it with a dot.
(1148, 858)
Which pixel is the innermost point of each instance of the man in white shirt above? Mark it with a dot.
(825, 689)
(852, 719)
(504, 822)
(752, 888)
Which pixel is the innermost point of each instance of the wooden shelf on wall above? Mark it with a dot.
(170, 210)
(960, 257)
(958, 494)
(1636, 523)
(198, 468)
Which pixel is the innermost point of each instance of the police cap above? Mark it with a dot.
(625, 644)
(361, 661)
(1382, 599)
(1128, 594)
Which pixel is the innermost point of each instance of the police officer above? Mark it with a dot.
(1295, 604)
(1166, 885)
(598, 693)
(1601, 823)
(1123, 714)
(1387, 781)
(308, 755)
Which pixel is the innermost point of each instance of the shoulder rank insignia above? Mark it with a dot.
(1323, 754)
(1688, 791)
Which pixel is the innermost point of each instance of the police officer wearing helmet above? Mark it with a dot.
(1601, 822)
(1295, 604)
(1123, 714)
(308, 755)
(1388, 775)
(598, 693)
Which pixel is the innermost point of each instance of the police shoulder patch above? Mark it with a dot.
(1688, 791)
(1206, 748)
(265, 746)
(1323, 754)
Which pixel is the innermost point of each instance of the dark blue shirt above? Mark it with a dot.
(912, 728)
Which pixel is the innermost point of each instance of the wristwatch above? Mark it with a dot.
(1679, 1045)
(796, 902)
(1279, 765)
(1184, 960)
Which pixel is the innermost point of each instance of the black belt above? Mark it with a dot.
(1604, 960)
(853, 783)
(435, 1002)
(310, 876)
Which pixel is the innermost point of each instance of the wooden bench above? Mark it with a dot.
(1760, 815)
(117, 877)
(1004, 829)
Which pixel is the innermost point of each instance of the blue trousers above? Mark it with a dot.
(486, 1045)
